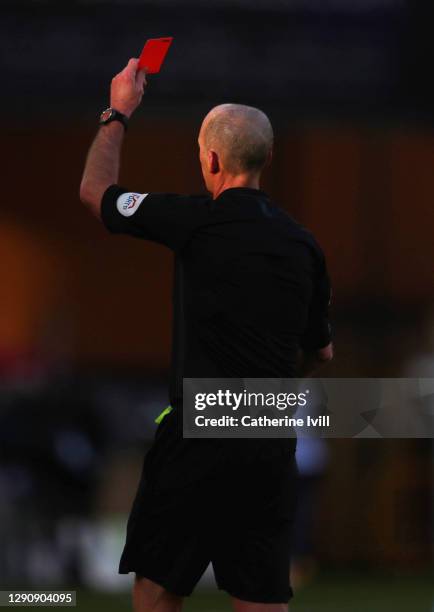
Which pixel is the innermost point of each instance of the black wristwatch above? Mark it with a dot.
(111, 114)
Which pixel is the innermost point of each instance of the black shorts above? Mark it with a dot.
(228, 502)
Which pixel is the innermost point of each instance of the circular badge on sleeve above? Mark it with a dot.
(128, 203)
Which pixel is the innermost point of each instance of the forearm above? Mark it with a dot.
(102, 165)
(103, 160)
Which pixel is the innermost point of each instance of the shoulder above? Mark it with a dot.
(298, 235)
(294, 228)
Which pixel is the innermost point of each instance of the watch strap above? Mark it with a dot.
(111, 114)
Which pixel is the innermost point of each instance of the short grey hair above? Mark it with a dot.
(241, 135)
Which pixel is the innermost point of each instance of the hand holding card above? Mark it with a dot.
(153, 54)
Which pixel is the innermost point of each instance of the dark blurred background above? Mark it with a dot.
(85, 317)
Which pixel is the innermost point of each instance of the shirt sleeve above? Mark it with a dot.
(166, 218)
(318, 331)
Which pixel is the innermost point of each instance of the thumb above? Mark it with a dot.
(131, 67)
(132, 63)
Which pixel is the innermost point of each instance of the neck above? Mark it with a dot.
(242, 180)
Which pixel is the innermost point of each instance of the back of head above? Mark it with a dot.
(241, 135)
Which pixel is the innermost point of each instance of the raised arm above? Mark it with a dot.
(103, 160)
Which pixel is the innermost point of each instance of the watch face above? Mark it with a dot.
(106, 115)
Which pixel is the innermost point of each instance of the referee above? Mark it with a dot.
(251, 300)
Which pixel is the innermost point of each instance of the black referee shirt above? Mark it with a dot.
(251, 284)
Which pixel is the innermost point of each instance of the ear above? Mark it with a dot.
(213, 162)
(269, 158)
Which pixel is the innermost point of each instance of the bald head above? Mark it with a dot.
(242, 137)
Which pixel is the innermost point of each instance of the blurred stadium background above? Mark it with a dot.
(85, 317)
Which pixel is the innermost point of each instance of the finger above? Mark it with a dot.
(141, 80)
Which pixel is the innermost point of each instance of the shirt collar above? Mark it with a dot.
(243, 191)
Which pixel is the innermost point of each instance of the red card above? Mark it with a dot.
(153, 54)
